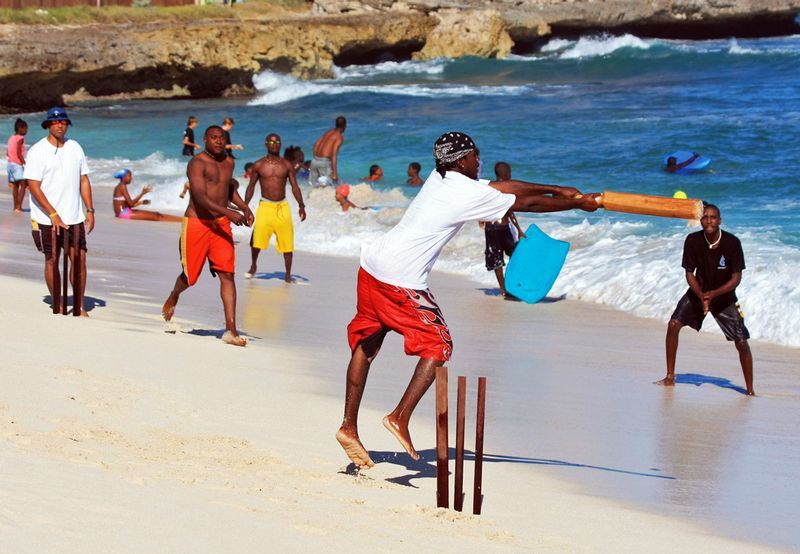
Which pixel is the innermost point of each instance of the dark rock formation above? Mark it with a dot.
(215, 58)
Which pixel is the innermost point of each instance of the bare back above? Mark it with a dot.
(327, 146)
(272, 173)
(209, 182)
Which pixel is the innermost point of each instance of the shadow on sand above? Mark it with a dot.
(545, 300)
(279, 276)
(425, 467)
(215, 333)
(696, 379)
(89, 302)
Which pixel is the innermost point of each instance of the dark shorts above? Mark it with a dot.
(689, 311)
(46, 235)
(499, 241)
(412, 313)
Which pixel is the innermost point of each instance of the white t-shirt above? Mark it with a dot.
(60, 171)
(405, 255)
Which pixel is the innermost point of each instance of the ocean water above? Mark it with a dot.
(598, 113)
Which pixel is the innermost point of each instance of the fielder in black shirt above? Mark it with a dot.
(713, 260)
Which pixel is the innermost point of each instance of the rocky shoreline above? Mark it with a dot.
(214, 58)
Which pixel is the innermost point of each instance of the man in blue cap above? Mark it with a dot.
(58, 179)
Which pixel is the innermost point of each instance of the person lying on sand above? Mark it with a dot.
(124, 205)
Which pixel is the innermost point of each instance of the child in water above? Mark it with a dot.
(341, 195)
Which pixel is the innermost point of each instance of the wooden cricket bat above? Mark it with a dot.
(645, 204)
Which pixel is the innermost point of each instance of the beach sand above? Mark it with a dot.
(116, 436)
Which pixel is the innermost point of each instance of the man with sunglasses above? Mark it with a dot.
(58, 179)
(273, 215)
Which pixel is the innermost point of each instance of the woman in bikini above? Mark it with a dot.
(124, 205)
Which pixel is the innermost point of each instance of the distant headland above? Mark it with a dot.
(45, 64)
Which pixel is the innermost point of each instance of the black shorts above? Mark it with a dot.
(499, 241)
(689, 311)
(47, 238)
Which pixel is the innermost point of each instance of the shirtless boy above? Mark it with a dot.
(207, 231)
(326, 151)
(273, 215)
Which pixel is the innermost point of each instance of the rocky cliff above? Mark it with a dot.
(44, 65)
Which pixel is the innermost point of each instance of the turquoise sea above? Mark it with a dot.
(599, 113)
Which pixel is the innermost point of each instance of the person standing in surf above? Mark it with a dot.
(207, 233)
(499, 238)
(713, 261)
(393, 291)
(324, 170)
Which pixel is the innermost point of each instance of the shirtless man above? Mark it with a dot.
(273, 215)
(207, 231)
(326, 150)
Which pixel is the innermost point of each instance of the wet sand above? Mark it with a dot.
(119, 436)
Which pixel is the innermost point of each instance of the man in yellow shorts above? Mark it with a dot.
(273, 216)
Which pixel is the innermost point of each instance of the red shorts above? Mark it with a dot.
(206, 238)
(412, 313)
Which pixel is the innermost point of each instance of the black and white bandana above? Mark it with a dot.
(452, 146)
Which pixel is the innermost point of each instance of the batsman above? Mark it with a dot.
(393, 292)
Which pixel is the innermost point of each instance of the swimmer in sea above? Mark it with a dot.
(375, 173)
(673, 165)
(341, 196)
(124, 205)
(413, 174)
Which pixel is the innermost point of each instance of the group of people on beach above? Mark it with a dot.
(392, 283)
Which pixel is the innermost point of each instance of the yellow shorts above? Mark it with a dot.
(273, 218)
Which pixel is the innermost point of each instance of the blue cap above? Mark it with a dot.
(121, 173)
(55, 114)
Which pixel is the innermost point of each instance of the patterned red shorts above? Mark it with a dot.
(412, 313)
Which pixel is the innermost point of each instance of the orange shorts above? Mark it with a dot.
(206, 238)
(412, 313)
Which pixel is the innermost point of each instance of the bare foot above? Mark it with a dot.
(169, 307)
(236, 340)
(666, 382)
(84, 313)
(354, 449)
(288, 278)
(401, 434)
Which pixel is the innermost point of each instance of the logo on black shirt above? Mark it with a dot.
(721, 262)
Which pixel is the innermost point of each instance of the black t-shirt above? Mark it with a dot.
(188, 149)
(227, 142)
(713, 267)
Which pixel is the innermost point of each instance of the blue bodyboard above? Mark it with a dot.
(535, 265)
(699, 164)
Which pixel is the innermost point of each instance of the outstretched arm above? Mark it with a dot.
(138, 200)
(533, 197)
